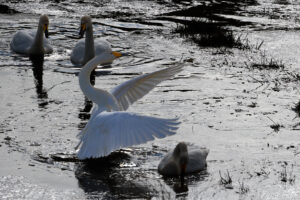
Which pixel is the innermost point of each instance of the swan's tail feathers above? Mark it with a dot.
(115, 130)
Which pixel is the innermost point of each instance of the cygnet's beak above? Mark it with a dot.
(183, 168)
(46, 30)
(82, 30)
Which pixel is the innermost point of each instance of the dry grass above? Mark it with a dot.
(243, 189)
(226, 181)
(287, 176)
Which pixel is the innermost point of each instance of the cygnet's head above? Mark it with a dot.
(44, 23)
(85, 22)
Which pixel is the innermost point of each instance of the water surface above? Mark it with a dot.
(222, 102)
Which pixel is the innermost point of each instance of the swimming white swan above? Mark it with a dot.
(33, 42)
(110, 127)
(88, 48)
(182, 161)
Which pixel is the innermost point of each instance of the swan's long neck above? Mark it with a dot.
(98, 96)
(37, 45)
(89, 50)
(84, 79)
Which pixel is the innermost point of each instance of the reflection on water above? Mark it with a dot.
(218, 72)
(84, 114)
(118, 176)
(181, 189)
(104, 178)
(37, 68)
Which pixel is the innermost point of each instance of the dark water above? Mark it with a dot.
(241, 112)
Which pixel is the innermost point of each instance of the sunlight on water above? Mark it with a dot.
(234, 98)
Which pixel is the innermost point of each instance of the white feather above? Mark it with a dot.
(116, 130)
(109, 128)
(134, 89)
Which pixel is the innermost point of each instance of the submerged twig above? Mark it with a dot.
(57, 85)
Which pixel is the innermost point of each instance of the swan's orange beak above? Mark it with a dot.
(117, 54)
(46, 30)
(82, 30)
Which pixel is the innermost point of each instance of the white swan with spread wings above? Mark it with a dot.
(110, 126)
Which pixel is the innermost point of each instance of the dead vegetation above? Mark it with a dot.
(265, 62)
(287, 176)
(271, 64)
(204, 25)
(263, 173)
(207, 34)
(226, 181)
(243, 189)
(275, 126)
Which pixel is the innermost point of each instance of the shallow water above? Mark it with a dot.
(222, 102)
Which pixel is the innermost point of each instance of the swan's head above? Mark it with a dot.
(104, 58)
(86, 22)
(44, 23)
(180, 155)
(109, 57)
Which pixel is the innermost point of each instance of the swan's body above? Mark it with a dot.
(110, 127)
(88, 48)
(33, 42)
(182, 161)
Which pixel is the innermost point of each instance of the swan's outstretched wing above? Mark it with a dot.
(78, 52)
(110, 131)
(130, 91)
